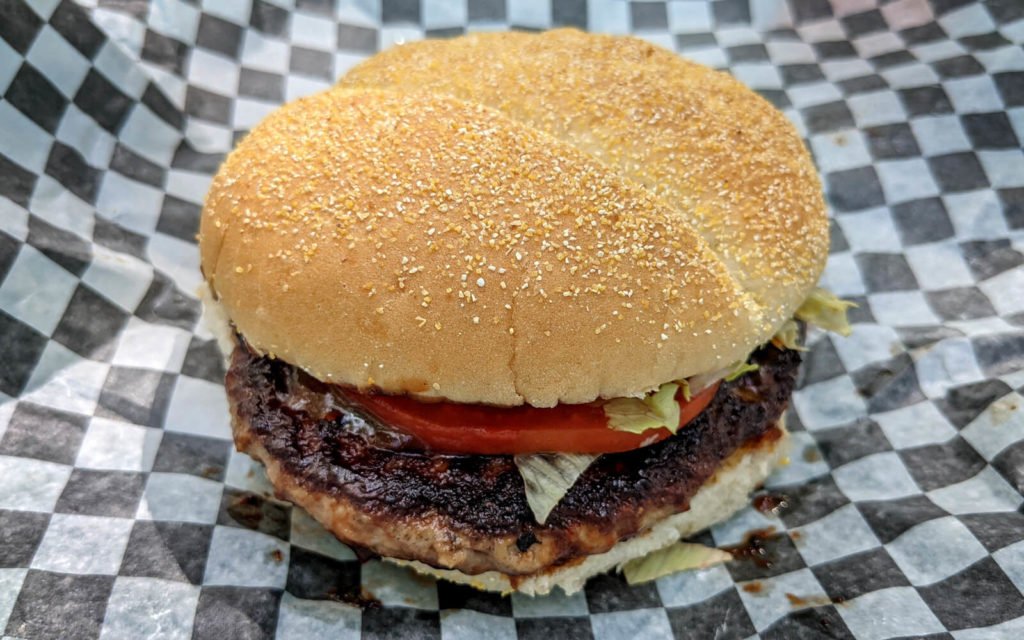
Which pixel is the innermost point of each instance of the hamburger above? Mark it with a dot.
(517, 309)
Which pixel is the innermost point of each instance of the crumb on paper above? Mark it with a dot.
(1002, 410)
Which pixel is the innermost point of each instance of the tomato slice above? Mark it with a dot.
(447, 427)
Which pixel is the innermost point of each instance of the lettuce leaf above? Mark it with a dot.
(740, 368)
(685, 386)
(549, 476)
(788, 337)
(660, 409)
(679, 557)
(823, 309)
(653, 411)
(702, 381)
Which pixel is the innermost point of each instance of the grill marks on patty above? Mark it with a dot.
(324, 450)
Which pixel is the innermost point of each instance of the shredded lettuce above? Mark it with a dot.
(653, 411)
(823, 309)
(739, 369)
(660, 409)
(702, 381)
(547, 477)
(663, 404)
(678, 557)
(788, 337)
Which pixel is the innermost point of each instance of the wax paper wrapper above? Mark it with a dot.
(126, 513)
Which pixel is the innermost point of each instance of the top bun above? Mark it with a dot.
(512, 218)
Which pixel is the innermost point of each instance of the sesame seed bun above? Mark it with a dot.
(576, 217)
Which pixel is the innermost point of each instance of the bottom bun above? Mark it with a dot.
(725, 493)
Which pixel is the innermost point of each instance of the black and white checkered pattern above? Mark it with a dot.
(125, 512)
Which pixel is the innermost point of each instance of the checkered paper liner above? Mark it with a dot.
(126, 513)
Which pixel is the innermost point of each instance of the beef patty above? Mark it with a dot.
(469, 512)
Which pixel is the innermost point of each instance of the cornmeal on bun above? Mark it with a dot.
(516, 309)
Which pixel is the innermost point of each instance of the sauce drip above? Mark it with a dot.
(753, 548)
(771, 504)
